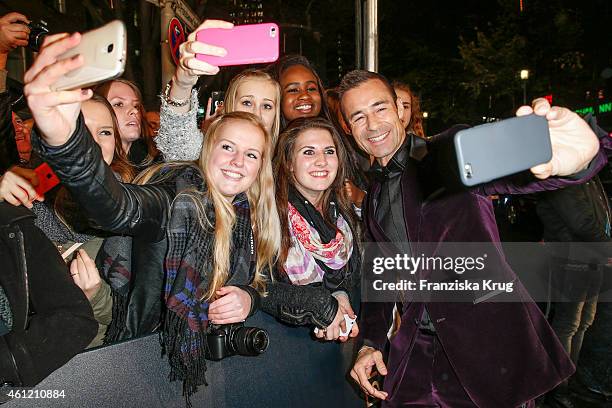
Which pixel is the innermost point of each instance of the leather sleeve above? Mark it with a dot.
(300, 305)
(139, 210)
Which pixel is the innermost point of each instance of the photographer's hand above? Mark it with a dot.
(13, 32)
(232, 306)
(55, 113)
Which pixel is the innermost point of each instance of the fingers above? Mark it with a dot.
(14, 17)
(51, 99)
(210, 24)
(208, 105)
(540, 106)
(354, 330)
(17, 190)
(361, 374)
(380, 364)
(524, 111)
(543, 171)
(196, 47)
(232, 306)
(51, 73)
(53, 47)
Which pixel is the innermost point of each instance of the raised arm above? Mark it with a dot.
(179, 138)
(63, 139)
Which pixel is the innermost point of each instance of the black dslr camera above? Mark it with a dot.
(38, 32)
(231, 339)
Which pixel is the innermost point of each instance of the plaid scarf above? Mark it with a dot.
(188, 265)
(306, 247)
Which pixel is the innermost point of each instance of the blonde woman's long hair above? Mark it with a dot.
(261, 196)
(232, 93)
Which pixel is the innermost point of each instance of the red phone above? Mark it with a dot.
(46, 179)
(245, 44)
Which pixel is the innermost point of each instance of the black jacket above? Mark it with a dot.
(8, 148)
(577, 215)
(142, 211)
(52, 319)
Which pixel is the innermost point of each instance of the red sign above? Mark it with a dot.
(176, 36)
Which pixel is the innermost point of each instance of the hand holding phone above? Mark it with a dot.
(104, 54)
(488, 152)
(574, 144)
(190, 68)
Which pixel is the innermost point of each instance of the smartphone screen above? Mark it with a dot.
(217, 98)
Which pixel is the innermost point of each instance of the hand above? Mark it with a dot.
(354, 193)
(13, 33)
(189, 67)
(232, 306)
(17, 187)
(55, 113)
(573, 142)
(367, 358)
(85, 274)
(338, 325)
(208, 118)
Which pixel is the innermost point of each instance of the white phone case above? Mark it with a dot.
(104, 52)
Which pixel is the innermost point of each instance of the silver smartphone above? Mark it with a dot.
(488, 152)
(104, 54)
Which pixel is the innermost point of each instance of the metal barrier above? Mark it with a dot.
(295, 372)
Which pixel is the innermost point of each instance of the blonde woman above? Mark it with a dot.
(224, 209)
(251, 91)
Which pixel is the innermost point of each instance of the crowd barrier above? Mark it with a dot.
(295, 372)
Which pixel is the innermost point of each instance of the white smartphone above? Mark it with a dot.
(104, 52)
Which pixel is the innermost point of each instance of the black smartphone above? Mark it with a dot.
(217, 98)
(488, 152)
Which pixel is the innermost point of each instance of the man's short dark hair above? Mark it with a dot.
(357, 77)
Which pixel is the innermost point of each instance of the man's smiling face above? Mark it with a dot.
(373, 116)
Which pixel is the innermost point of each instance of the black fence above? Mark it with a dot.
(296, 371)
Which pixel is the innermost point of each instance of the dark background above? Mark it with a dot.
(462, 58)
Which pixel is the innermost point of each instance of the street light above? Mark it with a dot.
(524, 78)
(425, 115)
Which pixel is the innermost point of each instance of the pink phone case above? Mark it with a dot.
(246, 44)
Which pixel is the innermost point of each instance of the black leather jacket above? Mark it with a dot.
(137, 210)
(51, 317)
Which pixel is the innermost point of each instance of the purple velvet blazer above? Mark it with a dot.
(504, 353)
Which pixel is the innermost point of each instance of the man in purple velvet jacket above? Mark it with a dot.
(483, 353)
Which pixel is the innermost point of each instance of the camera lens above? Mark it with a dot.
(110, 48)
(250, 341)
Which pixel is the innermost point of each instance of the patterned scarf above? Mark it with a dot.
(306, 248)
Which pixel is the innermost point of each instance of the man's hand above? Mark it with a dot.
(367, 358)
(573, 142)
(55, 113)
(13, 32)
(232, 306)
